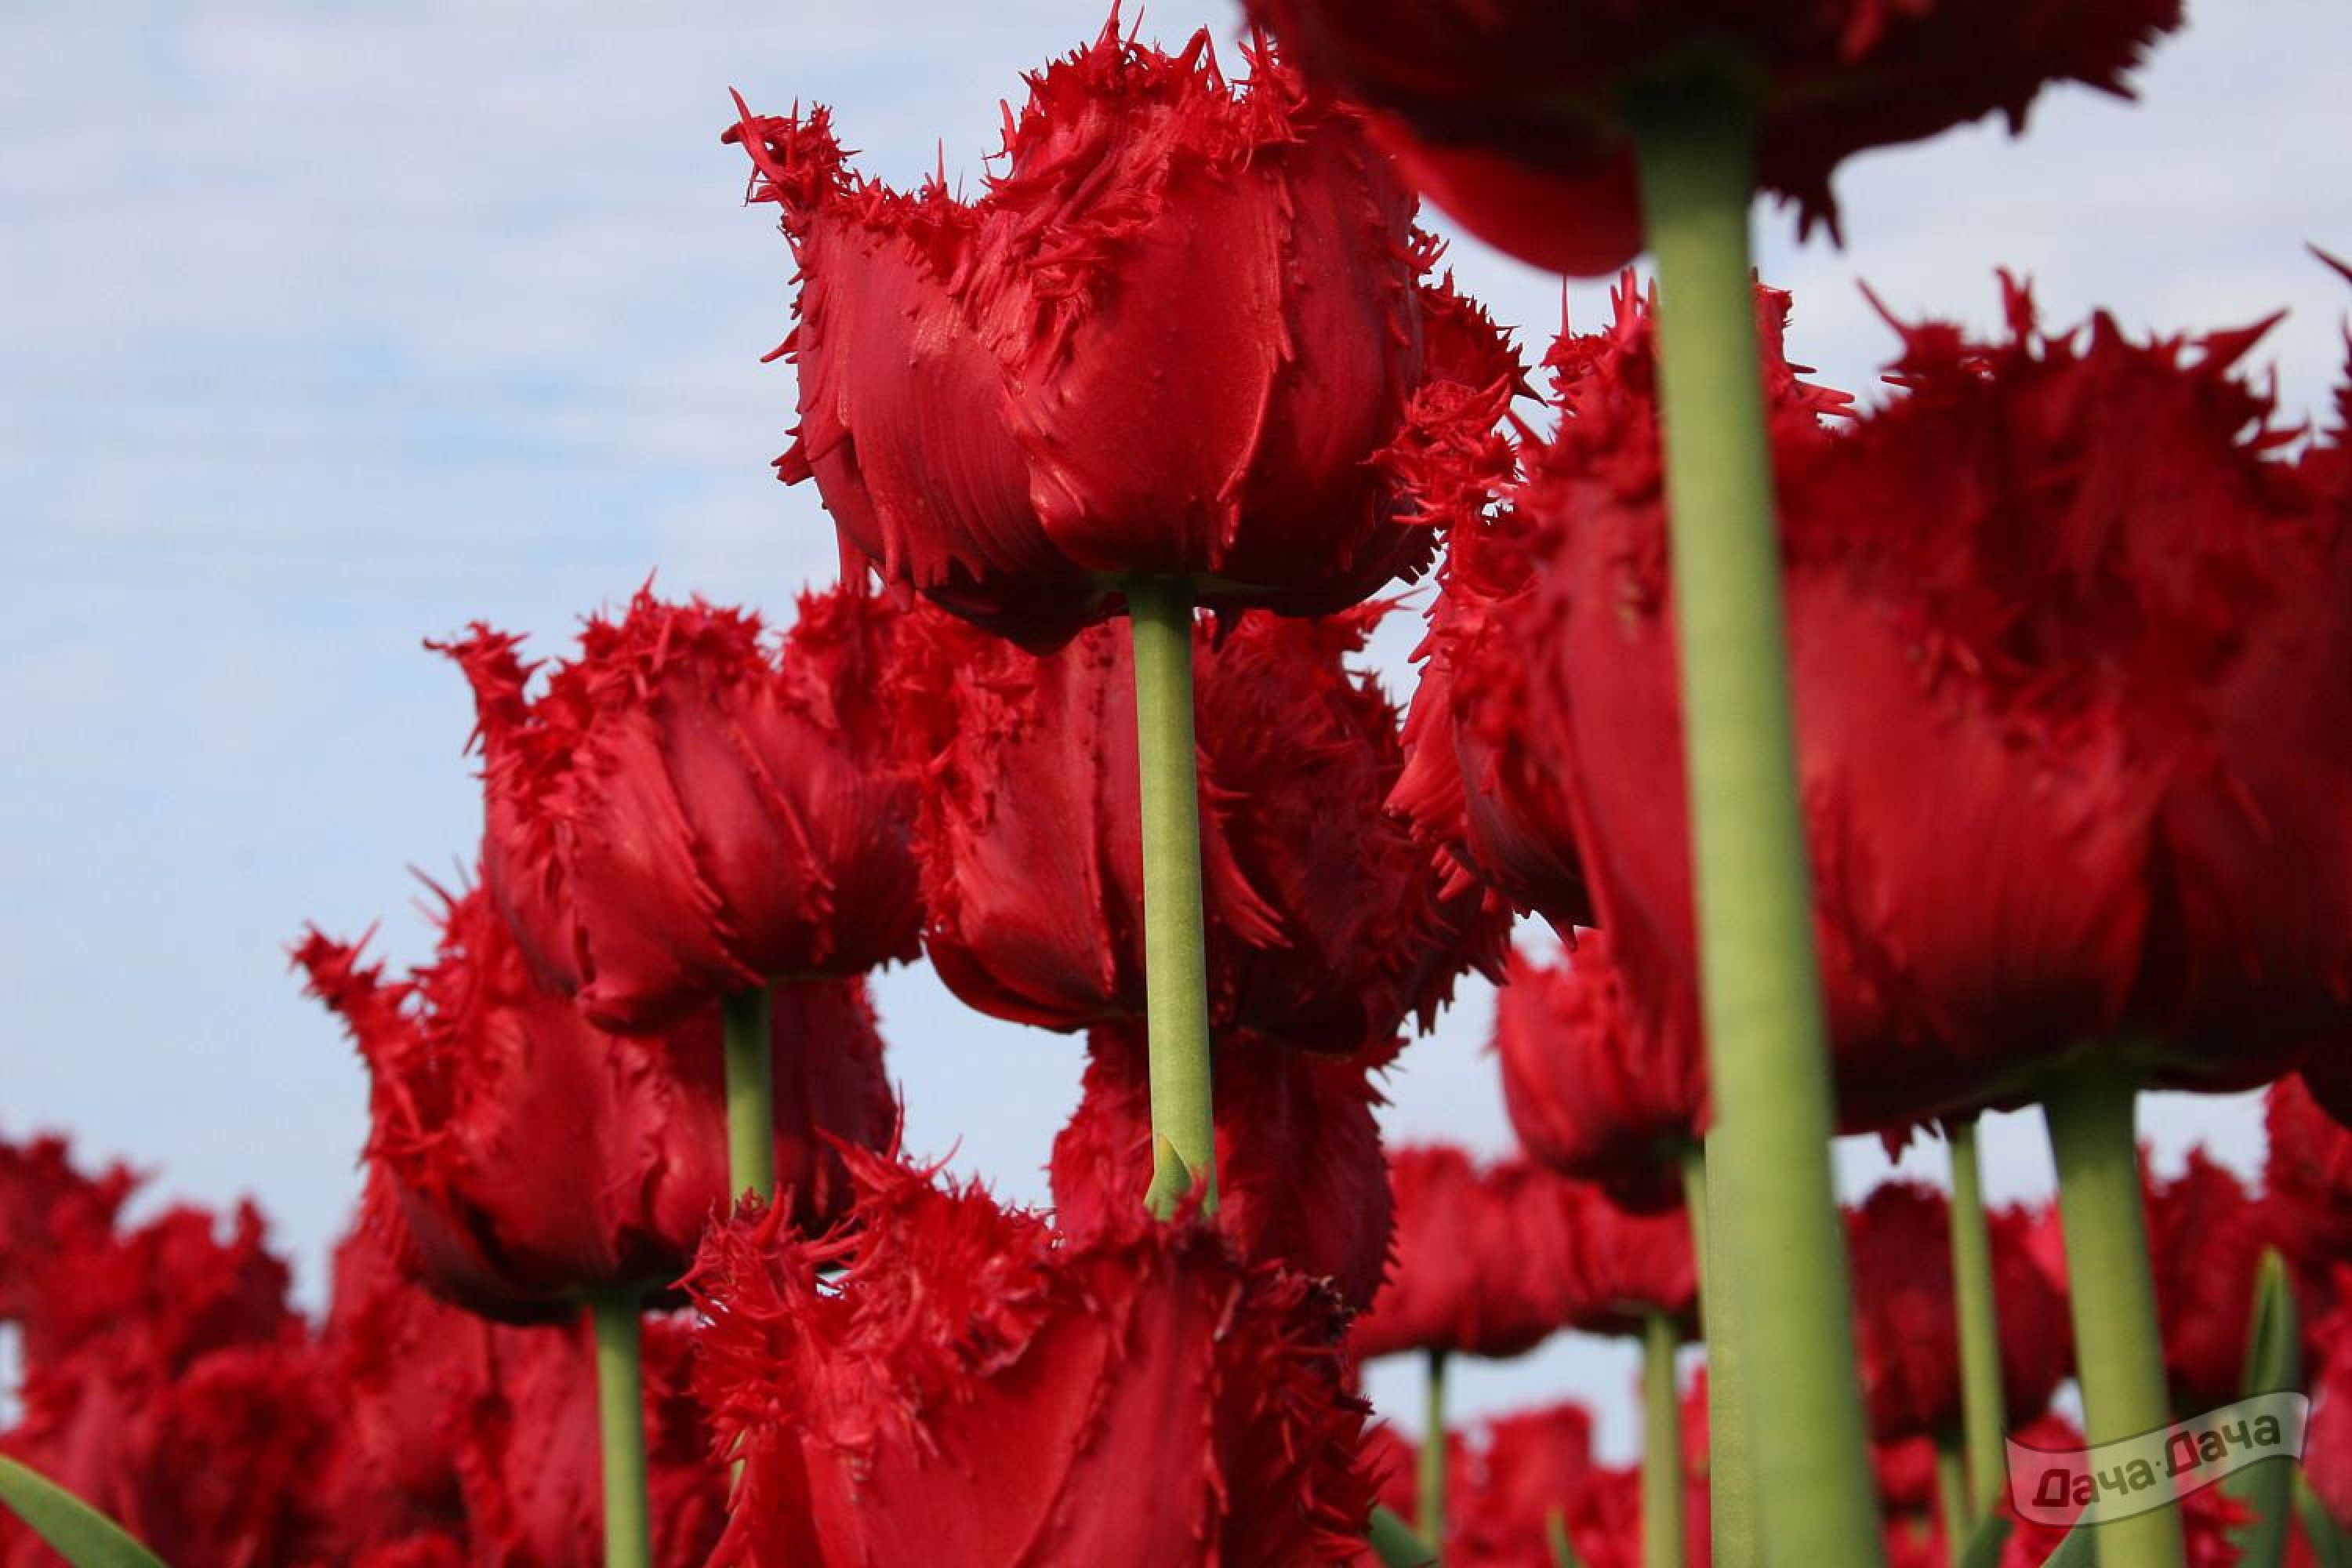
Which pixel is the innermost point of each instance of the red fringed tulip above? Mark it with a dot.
(2043, 608)
(986, 386)
(972, 1389)
(1525, 1466)
(1482, 1258)
(2327, 1445)
(1512, 114)
(49, 1211)
(2307, 1178)
(682, 812)
(2206, 1238)
(1300, 1176)
(535, 1157)
(1906, 1334)
(1592, 1089)
(1325, 923)
(1624, 1267)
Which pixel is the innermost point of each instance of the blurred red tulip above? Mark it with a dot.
(1511, 114)
(1596, 1089)
(1325, 923)
(535, 1156)
(1906, 1334)
(682, 812)
(974, 1389)
(1301, 1180)
(986, 386)
(1482, 1258)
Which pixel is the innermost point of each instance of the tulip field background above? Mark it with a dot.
(324, 330)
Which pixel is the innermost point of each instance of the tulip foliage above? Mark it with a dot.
(1878, 763)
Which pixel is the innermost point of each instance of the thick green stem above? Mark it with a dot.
(1982, 1413)
(621, 1415)
(1662, 1446)
(1695, 144)
(1433, 1456)
(1952, 1497)
(1733, 1541)
(1175, 947)
(750, 1093)
(2119, 1347)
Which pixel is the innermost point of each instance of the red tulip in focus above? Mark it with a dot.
(535, 1157)
(2058, 603)
(1512, 114)
(1326, 926)
(1593, 1089)
(1906, 1335)
(1483, 1258)
(973, 1389)
(1168, 339)
(683, 812)
(1301, 1180)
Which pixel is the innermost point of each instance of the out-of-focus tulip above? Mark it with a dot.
(2211, 1518)
(2206, 1236)
(2307, 1183)
(683, 812)
(1511, 114)
(1301, 1179)
(1326, 924)
(1595, 1087)
(1483, 1258)
(986, 386)
(2327, 1445)
(1906, 1331)
(535, 1156)
(974, 1389)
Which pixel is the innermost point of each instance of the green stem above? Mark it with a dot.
(1730, 1469)
(1394, 1544)
(1983, 1413)
(1694, 144)
(744, 1021)
(2118, 1348)
(621, 1416)
(1433, 1456)
(1952, 1497)
(1175, 948)
(1662, 1446)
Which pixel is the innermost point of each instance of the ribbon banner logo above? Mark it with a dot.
(2063, 1487)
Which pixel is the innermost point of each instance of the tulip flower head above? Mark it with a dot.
(1301, 1179)
(973, 1389)
(1326, 925)
(1511, 114)
(1167, 339)
(684, 812)
(534, 1156)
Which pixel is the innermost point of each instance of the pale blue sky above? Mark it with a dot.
(326, 329)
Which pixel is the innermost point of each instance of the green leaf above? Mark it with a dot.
(2075, 1552)
(2319, 1532)
(2274, 1363)
(81, 1535)
(1395, 1544)
(1984, 1545)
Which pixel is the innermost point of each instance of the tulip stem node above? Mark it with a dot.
(618, 1319)
(745, 1021)
(1983, 1412)
(1432, 1524)
(1175, 935)
(1694, 144)
(2118, 1348)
